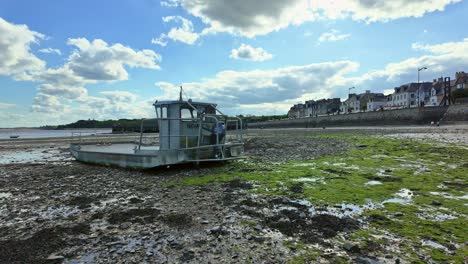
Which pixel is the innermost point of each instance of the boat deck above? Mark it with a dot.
(122, 148)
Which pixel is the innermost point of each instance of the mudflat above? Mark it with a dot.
(366, 195)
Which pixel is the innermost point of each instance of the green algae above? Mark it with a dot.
(423, 168)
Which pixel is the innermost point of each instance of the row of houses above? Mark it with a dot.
(409, 95)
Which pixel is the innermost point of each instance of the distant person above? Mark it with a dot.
(219, 131)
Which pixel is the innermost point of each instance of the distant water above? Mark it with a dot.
(43, 133)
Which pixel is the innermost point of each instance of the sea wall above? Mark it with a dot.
(408, 116)
(457, 112)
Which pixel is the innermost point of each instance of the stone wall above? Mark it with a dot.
(408, 116)
(456, 112)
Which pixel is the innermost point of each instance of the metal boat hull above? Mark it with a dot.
(143, 159)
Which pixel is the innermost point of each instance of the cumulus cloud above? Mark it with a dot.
(67, 92)
(50, 104)
(378, 10)
(119, 96)
(98, 61)
(443, 59)
(332, 36)
(16, 59)
(247, 52)
(92, 62)
(251, 18)
(234, 88)
(50, 50)
(184, 33)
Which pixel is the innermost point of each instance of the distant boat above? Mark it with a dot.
(15, 134)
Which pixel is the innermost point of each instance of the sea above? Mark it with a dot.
(5, 133)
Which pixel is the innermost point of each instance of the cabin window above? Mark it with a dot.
(164, 112)
(186, 113)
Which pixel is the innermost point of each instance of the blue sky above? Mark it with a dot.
(61, 61)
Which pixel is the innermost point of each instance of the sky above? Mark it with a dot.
(62, 61)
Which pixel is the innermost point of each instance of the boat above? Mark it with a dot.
(189, 132)
(14, 136)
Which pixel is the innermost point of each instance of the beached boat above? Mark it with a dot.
(189, 132)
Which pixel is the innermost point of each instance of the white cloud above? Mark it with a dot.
(6, 105)
(45, 103)
(332, 36)
(235, 89)
(98, 61)
(119, 96)
(50, 50)
(247, 52)
(249, 18)
(447, 47)
(91, 62)
(161, 40)
(170, 3)
(67, 92)
(252, 18)
(184, 33)
(441, 60)
(379, 10)
(16, 59)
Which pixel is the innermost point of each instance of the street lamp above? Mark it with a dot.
(419, 87)
(420, 69)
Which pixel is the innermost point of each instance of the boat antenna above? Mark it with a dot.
(180, 94)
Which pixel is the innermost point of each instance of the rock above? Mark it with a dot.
(124, 225)
(436, 203)
(366, 260)
(351, 247)
(218, 230)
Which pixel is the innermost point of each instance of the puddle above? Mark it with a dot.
(404, 196)
(372, 183)
(433, 244)
(307, 179)
(33, 156)
(4, 195)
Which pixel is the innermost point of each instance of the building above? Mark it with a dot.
(411, 94)
(310, 105)
(358, 102)
(377, 103)
(297, 111)
(327, 106)
(461, 81)
(364, 98)
(351, 104)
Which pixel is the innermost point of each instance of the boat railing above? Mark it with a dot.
(232, 135)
